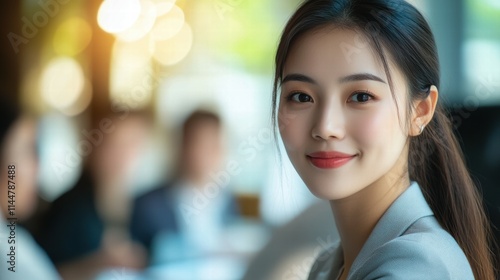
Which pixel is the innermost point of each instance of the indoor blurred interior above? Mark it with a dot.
(112, 84)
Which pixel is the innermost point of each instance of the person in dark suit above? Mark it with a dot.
(85, 230)
(191, 209)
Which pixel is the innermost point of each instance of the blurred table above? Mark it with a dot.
(174, 258)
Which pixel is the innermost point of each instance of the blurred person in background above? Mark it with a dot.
(310, 232)
(184, 217)
(18, 148)
(85, 229)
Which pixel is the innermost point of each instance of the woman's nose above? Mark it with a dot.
(329, 123)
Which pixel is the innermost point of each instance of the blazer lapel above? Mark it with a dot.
(404, 211)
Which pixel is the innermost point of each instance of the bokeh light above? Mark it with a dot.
(115, 16)
(72, 37)
(164, 6)
(64, 87)
(142, 25)
(168, 25)
(132, 79)
(171, 51)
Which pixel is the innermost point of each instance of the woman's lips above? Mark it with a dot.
(328, 160)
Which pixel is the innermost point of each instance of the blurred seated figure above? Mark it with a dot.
(184, 218)
(86, 229)
(18, 155)
(294, 246)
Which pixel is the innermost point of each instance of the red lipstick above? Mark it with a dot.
(328, 160)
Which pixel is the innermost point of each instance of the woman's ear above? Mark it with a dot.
(423, 112)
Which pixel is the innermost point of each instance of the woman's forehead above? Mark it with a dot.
(333, 52)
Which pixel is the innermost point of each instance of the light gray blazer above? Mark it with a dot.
(407, 243)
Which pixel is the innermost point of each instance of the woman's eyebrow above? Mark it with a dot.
(351, 78)
(298, 78)
(361, 77)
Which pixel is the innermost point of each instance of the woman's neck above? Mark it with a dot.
(357, 215)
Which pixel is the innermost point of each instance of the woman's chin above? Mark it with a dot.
(330, 193)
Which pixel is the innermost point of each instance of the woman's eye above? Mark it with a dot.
(300, 97)
(361, 97)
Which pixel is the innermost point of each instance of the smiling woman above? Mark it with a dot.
(332, 96)
(356, 104)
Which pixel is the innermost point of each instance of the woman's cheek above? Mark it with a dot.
(287, 116)
(373, 128)
(293, 131)
(291, 135)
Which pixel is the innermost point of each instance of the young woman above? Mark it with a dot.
(356, 102)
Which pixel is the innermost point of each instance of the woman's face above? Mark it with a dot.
(337, 116)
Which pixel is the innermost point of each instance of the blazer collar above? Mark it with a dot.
(404, 211)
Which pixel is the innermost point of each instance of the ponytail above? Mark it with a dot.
(436, 162)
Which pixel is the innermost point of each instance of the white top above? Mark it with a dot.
(31, 262)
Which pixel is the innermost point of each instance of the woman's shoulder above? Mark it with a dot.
(424, 251)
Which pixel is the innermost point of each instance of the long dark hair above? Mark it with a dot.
(398, 30)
